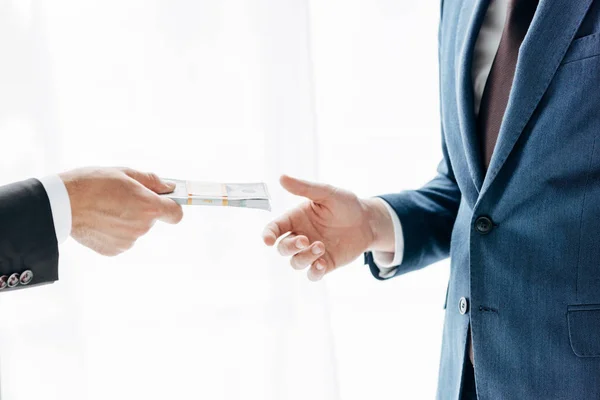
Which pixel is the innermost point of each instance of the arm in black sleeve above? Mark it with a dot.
(28, 246)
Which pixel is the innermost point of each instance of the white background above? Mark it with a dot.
(235, 90)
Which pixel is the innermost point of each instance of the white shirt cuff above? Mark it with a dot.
(385, 261)
(60, 205)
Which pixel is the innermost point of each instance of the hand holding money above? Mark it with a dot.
(112, 207)
(245, 195)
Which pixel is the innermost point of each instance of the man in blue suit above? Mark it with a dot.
(516, 204)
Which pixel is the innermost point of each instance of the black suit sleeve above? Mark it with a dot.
(28, 247)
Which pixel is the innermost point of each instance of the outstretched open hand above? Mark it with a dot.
(329, 231)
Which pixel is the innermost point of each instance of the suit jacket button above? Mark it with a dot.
(13, 280)
(463, 306)
(3, 282)
(484, 225)
(26, 277)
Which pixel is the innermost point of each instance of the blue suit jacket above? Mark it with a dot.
(532, 282)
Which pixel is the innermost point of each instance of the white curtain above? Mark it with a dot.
(226, 90)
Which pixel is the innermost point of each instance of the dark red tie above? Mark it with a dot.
(498, 85)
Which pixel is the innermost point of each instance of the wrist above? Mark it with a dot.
(69, 182)
(381, 226)
(72, 185)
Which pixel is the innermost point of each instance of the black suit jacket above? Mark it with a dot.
(28, 247)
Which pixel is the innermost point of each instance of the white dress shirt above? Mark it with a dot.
(60, 205)
(485, 51)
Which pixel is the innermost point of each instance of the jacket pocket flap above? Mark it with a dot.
(582, 48)
(584, 329)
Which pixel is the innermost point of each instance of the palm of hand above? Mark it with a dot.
(329, 231)
(339, 222)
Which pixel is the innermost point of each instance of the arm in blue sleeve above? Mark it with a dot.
(427, 216)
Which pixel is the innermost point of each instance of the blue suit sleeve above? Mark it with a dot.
(427, 216)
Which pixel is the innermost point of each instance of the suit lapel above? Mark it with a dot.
(472, 17)
(550, 34)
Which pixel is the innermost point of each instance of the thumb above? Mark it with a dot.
(151, 181)
(172, 213)
(318, 192)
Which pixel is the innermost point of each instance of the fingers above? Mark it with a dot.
(160, 207)
(170, 212)
(292, 244)
(308, 256)
(277, 228)
(151, 181)
(156, 206)
(311, 190)
(318, 269)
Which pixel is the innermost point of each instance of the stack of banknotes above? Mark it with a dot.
(246, 195)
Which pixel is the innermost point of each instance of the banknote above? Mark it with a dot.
(246, 195)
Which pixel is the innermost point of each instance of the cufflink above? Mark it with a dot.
(26, 277)
(13, 280)
(3, 282)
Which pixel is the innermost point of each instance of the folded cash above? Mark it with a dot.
(247, 195)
